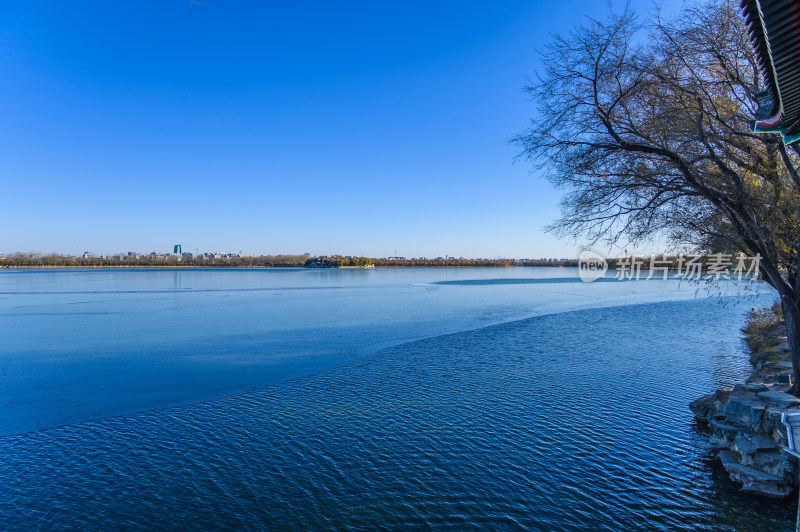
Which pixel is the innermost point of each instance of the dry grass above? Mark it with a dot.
(759, 331)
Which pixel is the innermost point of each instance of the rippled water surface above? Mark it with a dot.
(452, 399)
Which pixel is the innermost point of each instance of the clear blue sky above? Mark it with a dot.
(274, 127)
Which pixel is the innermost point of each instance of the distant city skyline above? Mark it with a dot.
(275, 128)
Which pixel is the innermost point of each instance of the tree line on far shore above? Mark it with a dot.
(22, 260)
(31, 260)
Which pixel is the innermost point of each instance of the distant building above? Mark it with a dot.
(177, 250)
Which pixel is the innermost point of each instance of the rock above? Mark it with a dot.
(745, 422)
(773, 463)
(749, 444)
(739, 389)
(780, 399)
(724, 430)
(766, 489)
(771, 425)
(745, 407)
(703, 408)
(722, 394)
(718, 443)
(754, 481)
(726, 458)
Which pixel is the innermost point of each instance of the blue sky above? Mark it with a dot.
(274, 127)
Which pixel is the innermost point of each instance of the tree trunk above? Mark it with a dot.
(791, 316)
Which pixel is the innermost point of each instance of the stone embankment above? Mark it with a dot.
(745, 420)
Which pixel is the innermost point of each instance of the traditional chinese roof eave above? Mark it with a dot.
(774, 28)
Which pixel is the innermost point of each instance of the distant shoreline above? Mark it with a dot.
(255, 267)
(187, 260)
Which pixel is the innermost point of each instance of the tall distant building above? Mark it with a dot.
(177, 250)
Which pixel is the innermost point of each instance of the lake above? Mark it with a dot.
(446, 398)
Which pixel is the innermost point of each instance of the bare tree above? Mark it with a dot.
(646, 126)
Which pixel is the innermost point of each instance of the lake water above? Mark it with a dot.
(452, 398)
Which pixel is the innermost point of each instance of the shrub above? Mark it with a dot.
(756, 330)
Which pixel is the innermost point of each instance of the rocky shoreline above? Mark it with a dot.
(745, 421)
